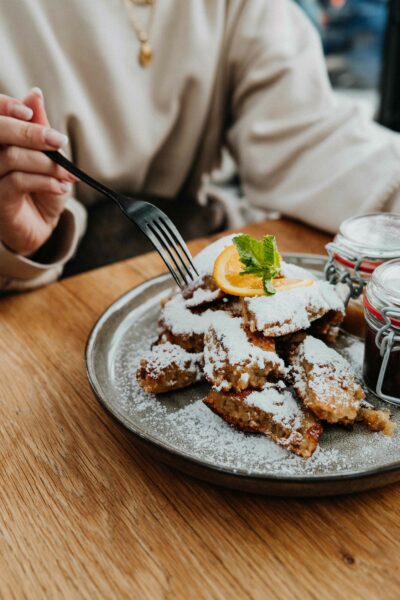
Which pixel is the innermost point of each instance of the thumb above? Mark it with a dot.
(35, 100)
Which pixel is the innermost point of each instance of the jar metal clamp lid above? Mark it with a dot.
(382, 313)
(362, 244)
(351, 276)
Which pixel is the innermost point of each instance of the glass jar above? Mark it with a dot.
(362, 244)
(382, 339)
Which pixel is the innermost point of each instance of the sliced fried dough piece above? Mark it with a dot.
(375, 419)
(187, 315)
(191, 342)
(236, 360)
(181, 325)
(327, 326)
(327, 385)
(198, 294)
(202, 292)
(231, 305)
(292, 310)
(325, 382)
(169, 367)
(273, 412)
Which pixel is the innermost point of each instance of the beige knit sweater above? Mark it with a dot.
(249, 73)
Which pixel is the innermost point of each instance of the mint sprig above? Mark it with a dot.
(259, 257)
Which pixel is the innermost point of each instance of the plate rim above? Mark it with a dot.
(286, 479)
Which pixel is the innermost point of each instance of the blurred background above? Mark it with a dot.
(353, 37)
(361, 41)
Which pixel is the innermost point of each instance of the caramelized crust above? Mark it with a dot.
(191, 342)
(375, 419)
(298, 435)
(242, 346)
(231, 305)
(238, 360)
(258, 339)
(186, 316)
(325, 382)
(327, 326)
(327, 385)
(202, 293)
(294, 310)
(168, 367)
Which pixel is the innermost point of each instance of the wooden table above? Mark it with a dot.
(84, 515)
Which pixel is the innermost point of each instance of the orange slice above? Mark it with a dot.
(227, 269)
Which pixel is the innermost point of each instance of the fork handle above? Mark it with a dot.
(69, 166)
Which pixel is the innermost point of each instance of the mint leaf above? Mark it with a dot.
(271, 254)
(268, 286)
(251, 251)
(259, 257)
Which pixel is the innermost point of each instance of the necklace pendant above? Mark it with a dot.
(145, 54)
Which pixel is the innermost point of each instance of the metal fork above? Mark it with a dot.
(155, 224)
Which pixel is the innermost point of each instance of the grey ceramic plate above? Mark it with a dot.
(179, 430)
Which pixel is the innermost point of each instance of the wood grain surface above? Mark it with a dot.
(83, 514)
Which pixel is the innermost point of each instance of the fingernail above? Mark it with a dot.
(20, 111)
(37, 91)
(71, 177)
(65, 186)
(55, 138)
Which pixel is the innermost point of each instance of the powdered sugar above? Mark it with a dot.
(278, 402)
(318, 353)
(291, 310)
(291, 270)
(353, 352)
(167, 354)
(328, 375)
(231, 361)
(205, 259)
(234, 346)
(202, 296)
(181, 422)
(182, 321)
(245, 378)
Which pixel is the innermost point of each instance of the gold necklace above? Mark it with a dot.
(146, 53)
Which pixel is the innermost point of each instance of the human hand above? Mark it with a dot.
(33, 189)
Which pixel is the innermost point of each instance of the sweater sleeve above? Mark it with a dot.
(301, 150)
(18, 273)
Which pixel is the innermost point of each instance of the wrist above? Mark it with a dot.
(45, 251)
(27, 243)
(22, 250)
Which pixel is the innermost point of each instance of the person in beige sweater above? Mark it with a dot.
(248, 74)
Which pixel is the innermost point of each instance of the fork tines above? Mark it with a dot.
(166, 238)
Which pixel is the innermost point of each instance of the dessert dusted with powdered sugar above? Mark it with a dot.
(325, 382)
(202, 292)
(247, 326)
(327, 385)
(292, 310)
(271, 411)
(169, 367)
(232, 360)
